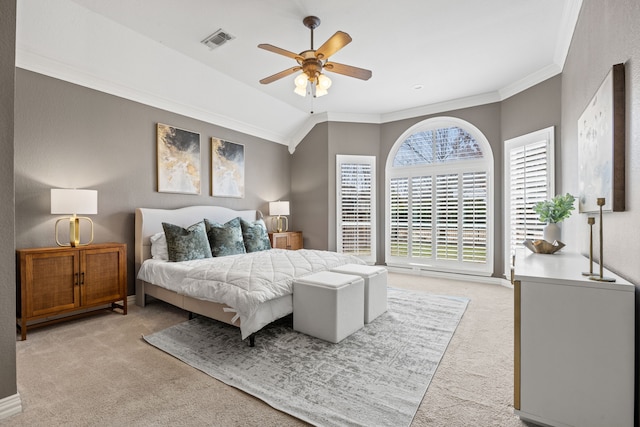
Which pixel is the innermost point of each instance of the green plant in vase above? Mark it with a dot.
(552, 212)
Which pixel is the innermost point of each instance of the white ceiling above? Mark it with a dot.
(461, 52)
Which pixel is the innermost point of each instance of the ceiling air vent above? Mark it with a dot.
(217, 39)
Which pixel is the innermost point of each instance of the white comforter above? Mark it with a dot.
(243, 282)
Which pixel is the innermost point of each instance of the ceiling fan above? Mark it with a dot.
(312, 62)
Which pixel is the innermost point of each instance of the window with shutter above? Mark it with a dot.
(356, 219)
(439, 189)
(529, 179)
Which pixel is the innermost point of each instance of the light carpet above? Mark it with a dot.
(377, 376)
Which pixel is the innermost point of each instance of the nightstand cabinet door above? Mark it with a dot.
(286, 240)
(51, 281)
(102, 277)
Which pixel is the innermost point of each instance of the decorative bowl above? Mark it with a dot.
(542, 246)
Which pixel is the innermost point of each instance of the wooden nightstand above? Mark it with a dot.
(56, 281)
(286, 240)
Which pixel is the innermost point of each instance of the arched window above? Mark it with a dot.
(439, 200)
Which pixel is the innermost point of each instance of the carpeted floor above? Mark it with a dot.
(374, 377)
(98, 371)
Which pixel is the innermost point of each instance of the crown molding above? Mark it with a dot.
(570, 16)
(35, 61)
(529, 81)
(37, 54)
(424, 110)
(439, 107)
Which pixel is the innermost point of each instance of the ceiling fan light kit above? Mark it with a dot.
(312, 62)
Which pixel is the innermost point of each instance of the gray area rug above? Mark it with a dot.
(375, 377)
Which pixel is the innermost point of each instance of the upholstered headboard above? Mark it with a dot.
(149, 222)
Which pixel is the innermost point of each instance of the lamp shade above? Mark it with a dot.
(278, 208)
(72, 201)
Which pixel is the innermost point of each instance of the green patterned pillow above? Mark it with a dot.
(225, 239)
(255, 235)
(184, 244)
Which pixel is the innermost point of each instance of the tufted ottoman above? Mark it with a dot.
(375, 287)
(328, 305)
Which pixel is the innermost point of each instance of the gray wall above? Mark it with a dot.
(607, 33)
(313, 167)
(313, 177)
(533, 109)
(310, 188)
(369, 139)
(69, 136)
(7, 243)
(352, 139)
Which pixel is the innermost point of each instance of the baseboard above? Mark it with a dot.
(131, 299)
(453, 276)
(10, 406)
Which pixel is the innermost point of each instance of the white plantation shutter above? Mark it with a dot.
(439, 199)
(447, 206)
(474, 217)
(529, 179)
(355, 203)
(399, 216)
(422, 217)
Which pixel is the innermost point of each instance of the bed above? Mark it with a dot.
(199, 287)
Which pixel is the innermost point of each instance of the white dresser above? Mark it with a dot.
(574, 343)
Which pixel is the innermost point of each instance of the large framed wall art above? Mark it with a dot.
(601, 146)
(179, 161)
(227, 168)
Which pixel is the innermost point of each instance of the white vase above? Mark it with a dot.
(552, 232)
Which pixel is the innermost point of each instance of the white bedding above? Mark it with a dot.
(166, 274)
(243, 282)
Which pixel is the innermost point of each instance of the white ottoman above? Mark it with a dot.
(375, 287)
(327, 305)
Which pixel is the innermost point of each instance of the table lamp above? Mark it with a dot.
(279, 209)
(73, 202)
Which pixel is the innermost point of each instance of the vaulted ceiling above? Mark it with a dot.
(426, 56)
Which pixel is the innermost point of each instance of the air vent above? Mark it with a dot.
(217, 39)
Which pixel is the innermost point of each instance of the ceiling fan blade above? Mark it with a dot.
(336, 42)
(280, 75)
(348, 70)
(280, 51)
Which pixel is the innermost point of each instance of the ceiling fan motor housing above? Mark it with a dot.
(311, 65)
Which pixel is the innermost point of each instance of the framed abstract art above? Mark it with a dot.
(227, 168)
(601, 146)
(179, 161)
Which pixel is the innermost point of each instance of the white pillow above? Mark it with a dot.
(159, 249)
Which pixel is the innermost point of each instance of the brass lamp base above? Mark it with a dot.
(74, 231)
(280, 223)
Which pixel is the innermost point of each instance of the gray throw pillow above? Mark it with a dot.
(185, 244)
(255, 235)
(225, 239)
